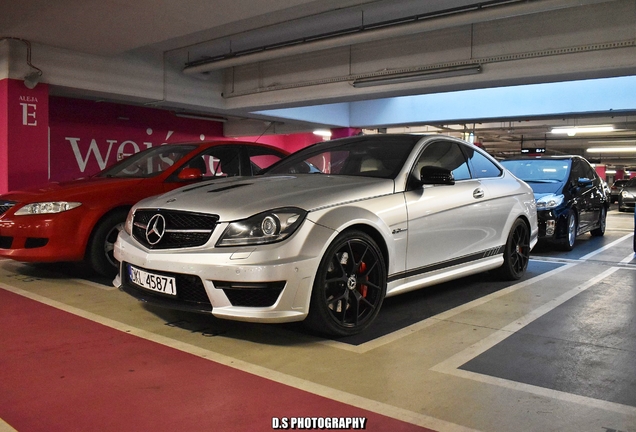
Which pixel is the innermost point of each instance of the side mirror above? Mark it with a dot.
(436, 176)
(190, 174)
(584, 182)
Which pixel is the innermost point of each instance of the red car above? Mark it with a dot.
(80, 219)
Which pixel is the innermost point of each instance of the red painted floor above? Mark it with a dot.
(61, 372)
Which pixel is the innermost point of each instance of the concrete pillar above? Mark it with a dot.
(24, 121)
(24, 126)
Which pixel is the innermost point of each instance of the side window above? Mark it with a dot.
(443, 154)
(261, 158)
(480, 165)
(589, 171)
(217, 162)
(577, 171)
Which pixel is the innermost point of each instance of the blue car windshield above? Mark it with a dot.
(360, 156)
(539, 170)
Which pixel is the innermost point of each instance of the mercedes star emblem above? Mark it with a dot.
(156, 229)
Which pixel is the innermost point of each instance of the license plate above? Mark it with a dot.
(151, 281)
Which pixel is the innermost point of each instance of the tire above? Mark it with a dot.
(602, 222)
(620, 205)
(349, 287)
(567, 244)
(99, 253)
(516, 252)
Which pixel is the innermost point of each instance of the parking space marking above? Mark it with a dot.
(5, 427)
(451, 365)
(628, 258)
(273, 375)
(607, 246)
(95, 284)
(406, 331)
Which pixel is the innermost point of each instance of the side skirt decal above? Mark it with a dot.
(444, 264)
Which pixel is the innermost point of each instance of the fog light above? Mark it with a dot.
(549, 227)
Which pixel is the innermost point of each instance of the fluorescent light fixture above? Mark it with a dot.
(610, 172)
(406, 77)
(323, 133)
(571, 131)
(201, 117)
(625, 149)
(625, 141)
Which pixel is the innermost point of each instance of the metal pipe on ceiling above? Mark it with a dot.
(377, 34)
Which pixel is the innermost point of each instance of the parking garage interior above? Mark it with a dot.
(84, 84)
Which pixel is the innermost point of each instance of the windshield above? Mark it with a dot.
(364, 156)
(539, 170)
(148, 163)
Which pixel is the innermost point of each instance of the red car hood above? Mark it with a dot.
(73, 190)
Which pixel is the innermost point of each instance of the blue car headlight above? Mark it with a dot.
(267, 227)
(549, 202)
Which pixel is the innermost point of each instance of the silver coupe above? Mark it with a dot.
(327, 233)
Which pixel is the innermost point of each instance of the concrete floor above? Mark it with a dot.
(555, 351)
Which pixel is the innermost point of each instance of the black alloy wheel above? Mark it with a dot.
(350, 286)
(516, 252)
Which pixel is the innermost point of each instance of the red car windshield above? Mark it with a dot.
(148, 163)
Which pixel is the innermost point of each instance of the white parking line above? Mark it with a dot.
(95, 284)
(628, 258)
(451, 365)
(5, 427)
(607, 246)
(399, 334)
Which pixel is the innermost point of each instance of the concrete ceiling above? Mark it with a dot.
(296, 53)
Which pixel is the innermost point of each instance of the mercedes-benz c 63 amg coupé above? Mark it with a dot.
(330, 231)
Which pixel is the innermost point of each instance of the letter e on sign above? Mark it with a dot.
(28, 114)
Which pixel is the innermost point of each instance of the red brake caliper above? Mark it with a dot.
(361, 270)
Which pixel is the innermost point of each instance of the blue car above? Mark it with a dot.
(570, 196)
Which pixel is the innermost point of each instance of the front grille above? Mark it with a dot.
(251, 294)
(174, 229)
(6, 205)
(190, 291)
(35, 242)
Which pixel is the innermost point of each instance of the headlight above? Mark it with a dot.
(549, 202)
(626, 194)
(47, 208)
(129, 222)
(267, 227)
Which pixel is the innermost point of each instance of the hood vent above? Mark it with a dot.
(229, 187)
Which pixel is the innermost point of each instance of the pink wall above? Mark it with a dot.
(290, 143)
(53, 138)
(600, 170)
(4, 135)
(295, 142)
(23, 134)
(87, 136)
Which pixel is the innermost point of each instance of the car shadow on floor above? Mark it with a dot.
(397, 312)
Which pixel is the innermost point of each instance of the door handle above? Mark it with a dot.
(478, 193)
